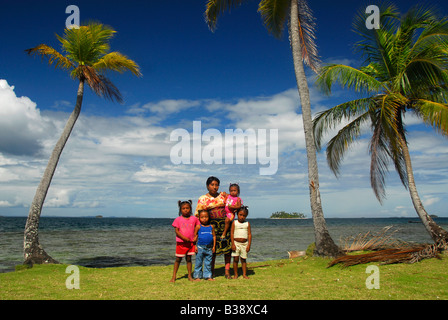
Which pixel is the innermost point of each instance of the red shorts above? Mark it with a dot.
(184, 248)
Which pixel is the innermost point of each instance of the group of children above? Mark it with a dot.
(197, 235)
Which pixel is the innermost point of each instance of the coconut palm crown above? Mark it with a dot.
(86, 55)
(405, 70)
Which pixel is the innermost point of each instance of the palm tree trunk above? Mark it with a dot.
(32, 249)
(439, 235)
(325, 245)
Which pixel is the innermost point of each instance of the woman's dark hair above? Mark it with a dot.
(235, 185)
(180, 203)
(210, 180)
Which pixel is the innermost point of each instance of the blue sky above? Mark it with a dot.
(117, 161)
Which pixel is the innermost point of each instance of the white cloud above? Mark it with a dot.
(169, 106)
(429, 200)
(4, 203)
(7, 175)
(58, 198)
(21, 124)
(166, 174)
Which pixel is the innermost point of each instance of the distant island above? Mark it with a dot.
(287, 215)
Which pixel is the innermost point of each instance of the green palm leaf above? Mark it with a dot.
(214, 8)
(52, 55)
(331, 118)
(86, 44)
(117, 62)
(274, 14)
(341, 142)
(434, 114)
(348, 77)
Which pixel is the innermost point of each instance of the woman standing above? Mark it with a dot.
(214, 202)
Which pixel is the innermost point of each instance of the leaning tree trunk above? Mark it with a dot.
(32, 249)
(439, 235)
(325, 245)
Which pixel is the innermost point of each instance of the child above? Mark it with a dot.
(184, 227)
(205, 239)
(233, 202)
(241, 237)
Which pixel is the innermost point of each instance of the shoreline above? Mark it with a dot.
(289, 218)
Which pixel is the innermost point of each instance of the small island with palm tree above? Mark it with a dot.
(286, 215)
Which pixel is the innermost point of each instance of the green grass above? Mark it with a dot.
(301, 278)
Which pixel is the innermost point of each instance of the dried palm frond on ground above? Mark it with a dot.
(390, 256)
(387, 250)
(407, 254)
(370, 242)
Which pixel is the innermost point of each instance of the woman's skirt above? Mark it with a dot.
(223, 246)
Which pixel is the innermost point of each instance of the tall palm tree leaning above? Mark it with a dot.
(275, 14)
(406, 70)
(87, 56)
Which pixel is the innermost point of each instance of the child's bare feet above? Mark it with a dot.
(173, 280)
(245, 277)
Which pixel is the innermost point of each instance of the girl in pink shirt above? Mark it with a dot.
(184, 226)
(233, 203)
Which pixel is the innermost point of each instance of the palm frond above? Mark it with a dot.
(422, 46)
(415, 18)
(376, 45)
(275, 14)
(385, 144)
(341, 142)
(389, 20)
(371, 242)
(307, 28)
(117, 62)
(52, 55)
(109, 90)
(329, 119)
(214, 8)
(423, 73)
(87, 44)
(348, 77)
(434, 114)
(99, 84)
(435, 32)
(406, 253)
(379, 155)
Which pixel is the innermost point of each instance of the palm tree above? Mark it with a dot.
(405, 70)
(275, 14)
(86, 56)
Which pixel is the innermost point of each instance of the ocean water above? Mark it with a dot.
(113, 242)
